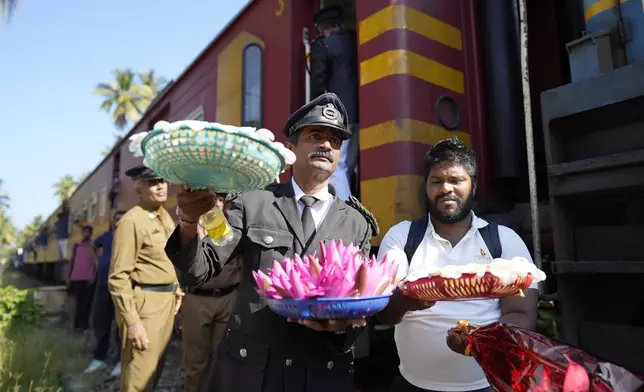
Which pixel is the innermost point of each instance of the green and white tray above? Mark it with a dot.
(209, 155)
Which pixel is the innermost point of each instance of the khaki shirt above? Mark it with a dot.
(138, 256)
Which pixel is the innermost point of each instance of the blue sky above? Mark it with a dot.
(52, 55)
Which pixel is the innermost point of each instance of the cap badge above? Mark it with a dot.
(330, 113)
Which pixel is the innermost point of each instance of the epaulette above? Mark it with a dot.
(355, 203)
(319, 40)
(230, 196)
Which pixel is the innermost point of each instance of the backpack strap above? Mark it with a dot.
(414, 238)
(490, 234)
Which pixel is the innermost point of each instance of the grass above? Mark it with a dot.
(33, 352)
(32, 357)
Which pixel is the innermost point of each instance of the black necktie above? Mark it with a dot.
(308, 224)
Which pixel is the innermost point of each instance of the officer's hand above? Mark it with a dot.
(331, 325)
(179, 297)
(137, 336)
(193, 204)
(457, 338)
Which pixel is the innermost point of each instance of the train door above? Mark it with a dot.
(334, 68)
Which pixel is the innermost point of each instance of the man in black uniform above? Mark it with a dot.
(334, 69)
(262, 351)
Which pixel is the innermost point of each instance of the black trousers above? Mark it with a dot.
(83, 292)
(102, 320)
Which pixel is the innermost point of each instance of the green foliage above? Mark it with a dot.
(30, 231)
(33, 357)
(18, 307)
(128, 97)
(33, 354)
(547, 319)
(65, 187)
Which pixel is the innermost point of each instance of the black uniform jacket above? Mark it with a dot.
(334, 69)
(261, 350)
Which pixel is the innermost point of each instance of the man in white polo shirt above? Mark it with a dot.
(452, 235)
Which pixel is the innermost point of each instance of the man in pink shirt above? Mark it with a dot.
(81, 278)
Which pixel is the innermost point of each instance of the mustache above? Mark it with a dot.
(449, 197)
(322, 154)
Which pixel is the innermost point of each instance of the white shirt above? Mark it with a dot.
(319, 209)
(425, 359)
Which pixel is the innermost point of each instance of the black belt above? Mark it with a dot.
(212, 292)
(157, 288)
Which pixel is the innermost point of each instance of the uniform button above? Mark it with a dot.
(268, 240)
(289, 362)
(329, 365)
(243, 353)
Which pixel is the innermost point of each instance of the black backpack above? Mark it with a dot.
(490, 234)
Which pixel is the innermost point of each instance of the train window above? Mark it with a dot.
(252, 85)
(196, 114)
(91, 208)
(102, 204)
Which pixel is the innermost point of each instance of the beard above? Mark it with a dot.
(462, 210)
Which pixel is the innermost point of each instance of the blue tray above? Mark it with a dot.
(328, 308)
(212, 158)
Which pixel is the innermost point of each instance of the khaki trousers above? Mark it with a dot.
(203, 325)
(140, 370)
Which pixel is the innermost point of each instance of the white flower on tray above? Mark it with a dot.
(262, 134)
(135, 144)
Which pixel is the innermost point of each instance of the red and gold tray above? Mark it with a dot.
(467, 287)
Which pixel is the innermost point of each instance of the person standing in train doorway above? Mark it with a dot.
(204, 315)
(103, 308)
(143, 283)
(334, 69)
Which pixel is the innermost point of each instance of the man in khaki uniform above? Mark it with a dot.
(143, 283)
(204, 315)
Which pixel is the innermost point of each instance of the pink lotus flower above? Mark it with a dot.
(340, 271)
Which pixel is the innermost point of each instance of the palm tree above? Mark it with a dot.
(124, 98)
(156, 84)
(65, 187)
(7, 8)
(4, 196)
(30, 230)
(7, 230)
